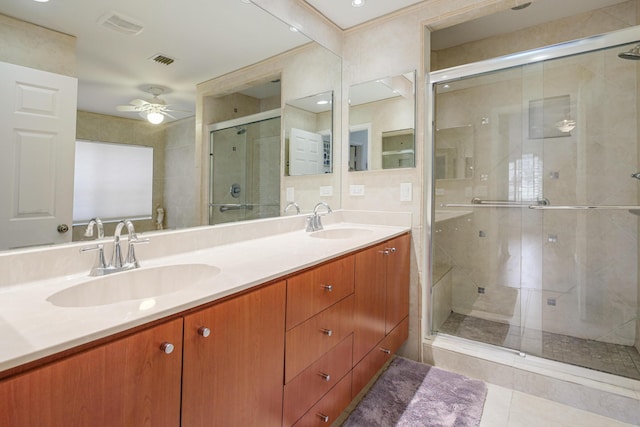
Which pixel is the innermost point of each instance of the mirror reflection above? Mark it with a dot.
(381, 123)
(307, 135)
(454, 153)
(180, 157)
(245, 168)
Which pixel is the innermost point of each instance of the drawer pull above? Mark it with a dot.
(324, 376)
(166, 347)
(327, 288)
(328, 332)
(323, 417)
(204, 332)
(385, 351)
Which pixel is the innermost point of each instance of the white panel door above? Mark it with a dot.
(37, 139)
(306, 153)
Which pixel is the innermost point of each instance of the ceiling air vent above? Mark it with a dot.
(162, 59)
(121, 23)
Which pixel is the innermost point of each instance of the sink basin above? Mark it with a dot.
(134, 284)
(341, 233)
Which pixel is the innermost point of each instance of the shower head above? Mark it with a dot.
(631, 54)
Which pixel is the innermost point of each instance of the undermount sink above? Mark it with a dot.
(341, 233)
(134, 284)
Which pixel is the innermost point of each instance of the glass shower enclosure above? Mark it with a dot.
(535, 232)
(244, 168)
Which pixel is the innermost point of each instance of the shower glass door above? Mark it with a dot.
(245, 171)
(536, 224)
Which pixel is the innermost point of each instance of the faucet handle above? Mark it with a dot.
(132, 261)
(100, 264)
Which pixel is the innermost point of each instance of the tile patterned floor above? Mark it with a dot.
(510, 408)
(612, 358)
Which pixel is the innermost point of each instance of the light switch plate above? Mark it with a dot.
(406, 192)
(356, 190)
(326, 191)
(290, 194)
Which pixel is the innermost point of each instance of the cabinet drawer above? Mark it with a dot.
(327, 410)
(308, 341)
(376, 358)
(312, 383)
(311, 292)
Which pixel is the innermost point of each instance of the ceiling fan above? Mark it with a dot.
(154, 110)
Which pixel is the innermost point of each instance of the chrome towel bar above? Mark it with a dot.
(235, 206)
(587, 207)
(476, 202)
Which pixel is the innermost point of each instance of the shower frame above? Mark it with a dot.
(592, 43)
(240, 122)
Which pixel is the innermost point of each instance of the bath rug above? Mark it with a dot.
(412, 394)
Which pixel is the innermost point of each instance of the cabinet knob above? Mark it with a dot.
(204, 331)
(392, 250)
(327, 288)
(324, 376)
(385, 252)
(385, 351)
(328, 332)
(323, 417)
(167, 347)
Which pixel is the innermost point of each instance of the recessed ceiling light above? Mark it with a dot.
(322, 102)
(357, 3)
(42, 1)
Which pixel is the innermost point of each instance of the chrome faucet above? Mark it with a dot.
(133, 239)
(116, 256)
(118, 263)
(314, 222)
(295, 205)
(100, 264)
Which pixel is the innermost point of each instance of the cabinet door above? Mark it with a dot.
(233, 376)
(370, 300)
(129, 382)
(398, 270)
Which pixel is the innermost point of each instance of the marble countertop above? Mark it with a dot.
(32, 327)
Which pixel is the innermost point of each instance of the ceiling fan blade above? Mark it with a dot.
(167, 114)
(127, 108)
(138, 102)
(176, 110)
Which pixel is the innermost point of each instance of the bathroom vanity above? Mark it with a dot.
(262, 343)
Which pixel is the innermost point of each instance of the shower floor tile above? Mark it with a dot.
(611, 358)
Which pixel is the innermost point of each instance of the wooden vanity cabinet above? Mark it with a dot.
(293, 352)
(381, 306)
(233, 361)
(131, 381)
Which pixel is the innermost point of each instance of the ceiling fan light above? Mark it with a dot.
(155, 117)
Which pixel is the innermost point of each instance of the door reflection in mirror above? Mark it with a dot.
(308, 136)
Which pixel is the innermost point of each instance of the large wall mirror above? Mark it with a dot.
(298, 88)
(179, 197)
(382, 123)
